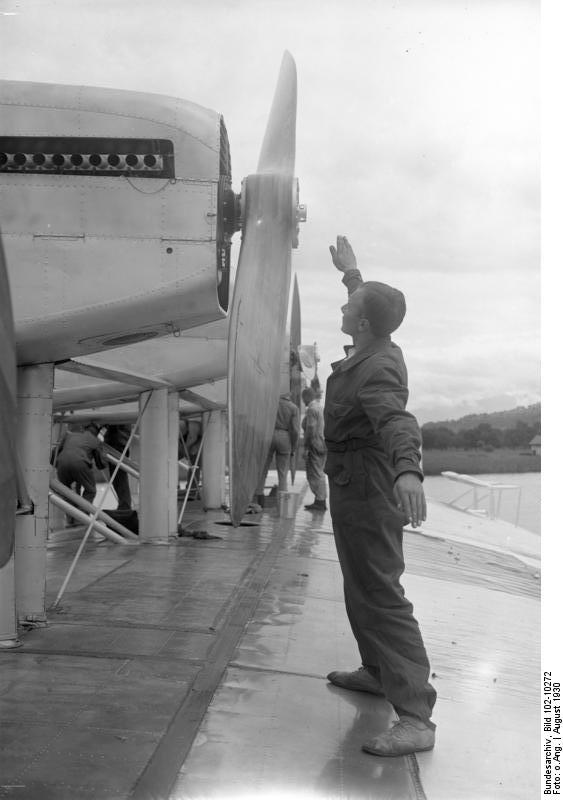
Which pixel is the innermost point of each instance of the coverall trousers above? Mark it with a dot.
(281, 448)
(314, 471)
(122, 490)
(368, 531)
(81, 473)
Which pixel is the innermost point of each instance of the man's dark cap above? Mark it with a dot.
(384, 307)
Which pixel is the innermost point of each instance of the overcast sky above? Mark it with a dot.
(417, 137)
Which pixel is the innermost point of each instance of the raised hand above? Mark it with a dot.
(343, 256)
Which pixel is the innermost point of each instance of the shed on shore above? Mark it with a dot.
(535, 445)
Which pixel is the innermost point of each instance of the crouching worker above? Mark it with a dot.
(375, 481)
(79, 450)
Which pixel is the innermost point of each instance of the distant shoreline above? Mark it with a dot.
(479, 462)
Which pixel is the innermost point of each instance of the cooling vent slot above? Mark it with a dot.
(48, 155)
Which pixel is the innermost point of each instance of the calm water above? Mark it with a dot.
(439, 488)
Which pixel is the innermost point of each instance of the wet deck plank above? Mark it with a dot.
(238, 633)
(475, 607)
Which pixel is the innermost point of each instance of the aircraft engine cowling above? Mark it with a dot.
(118, 212)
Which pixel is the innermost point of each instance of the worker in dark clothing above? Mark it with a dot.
(189, 449)
(193, 440)
(78, 451)
(283, 446)
(375, 480)
(117, 436)
(189, 439)
(315, 449)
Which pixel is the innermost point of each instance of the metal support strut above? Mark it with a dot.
(93, 521)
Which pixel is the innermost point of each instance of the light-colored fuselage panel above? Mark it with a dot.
(180, 361)
(110, 216)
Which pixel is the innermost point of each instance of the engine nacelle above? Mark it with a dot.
(117, 216)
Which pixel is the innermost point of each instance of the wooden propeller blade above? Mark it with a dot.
(278, 146)
(256, 333)
(260, 299)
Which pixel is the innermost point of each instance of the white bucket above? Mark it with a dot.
(287, 504)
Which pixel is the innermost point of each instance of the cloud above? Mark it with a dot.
(417, 136)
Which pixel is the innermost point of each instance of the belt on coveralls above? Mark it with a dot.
(350, 444)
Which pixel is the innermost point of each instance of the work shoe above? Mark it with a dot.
(318, 505)
(407, 735)
(359, 681)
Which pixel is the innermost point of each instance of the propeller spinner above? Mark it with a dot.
(271, 214)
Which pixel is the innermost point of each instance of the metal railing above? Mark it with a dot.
(488, 491)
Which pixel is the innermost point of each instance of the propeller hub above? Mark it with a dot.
(299, 213)
(231, 212)
(237, 211)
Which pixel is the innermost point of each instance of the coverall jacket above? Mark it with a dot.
(74, 463)
(315, 449)
(372, 439)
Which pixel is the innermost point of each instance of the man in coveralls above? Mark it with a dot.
(117, 436)
(283, 445)
(74, 463)
(375, 481)
(315, 449)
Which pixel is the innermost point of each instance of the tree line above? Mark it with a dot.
(483, 436)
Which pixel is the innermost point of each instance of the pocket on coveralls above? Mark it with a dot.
(336, 470)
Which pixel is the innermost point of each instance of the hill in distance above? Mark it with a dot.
(501, 420)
